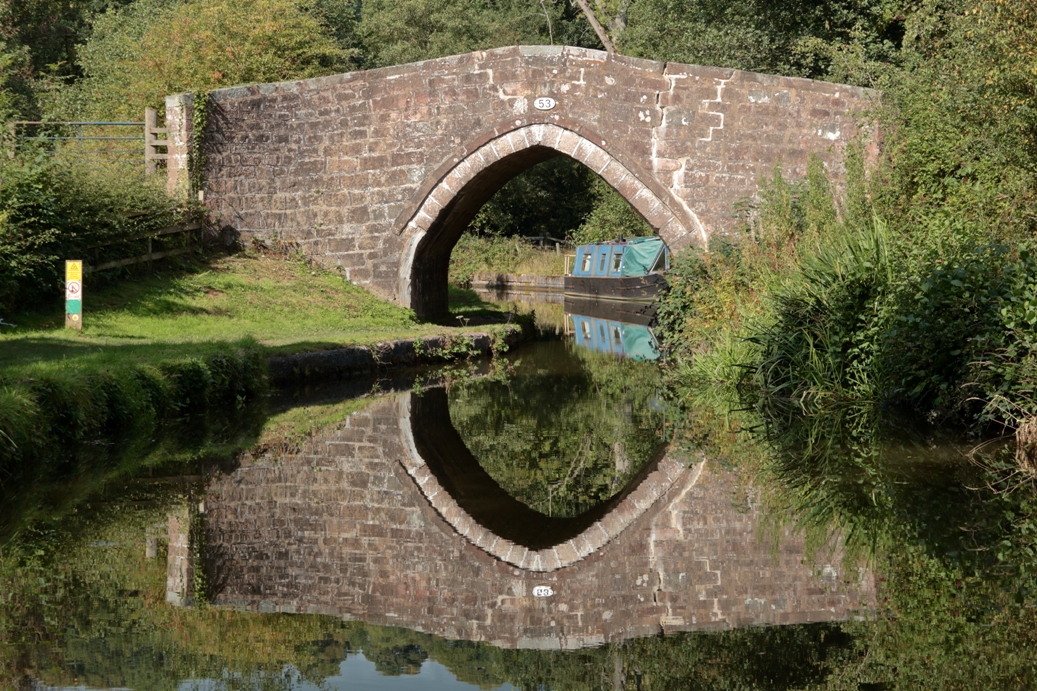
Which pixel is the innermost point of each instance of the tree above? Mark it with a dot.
(401, 31)
(139, 54)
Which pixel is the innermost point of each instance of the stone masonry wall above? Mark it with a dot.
(378, 171)
(340, 528)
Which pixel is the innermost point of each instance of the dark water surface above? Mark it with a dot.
(553, 520)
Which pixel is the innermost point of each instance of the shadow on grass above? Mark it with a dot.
(129, 288)
(468, 309)
(38, 354)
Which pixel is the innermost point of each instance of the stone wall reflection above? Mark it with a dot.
(340, 528)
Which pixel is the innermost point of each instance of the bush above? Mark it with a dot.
(611, 217)
(50, 212)
(138, 54)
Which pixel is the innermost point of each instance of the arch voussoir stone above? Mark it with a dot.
(437, 223)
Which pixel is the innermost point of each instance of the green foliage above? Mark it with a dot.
(138, 54)
(612, 217)
(50, 212)
(395, 32)
(837, 308)
(785, 37)
(551, 199)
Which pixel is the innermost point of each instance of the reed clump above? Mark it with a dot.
(820, 305)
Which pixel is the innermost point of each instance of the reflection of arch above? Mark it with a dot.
(446, 210)
(480, 510)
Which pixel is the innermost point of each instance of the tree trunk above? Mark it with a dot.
(596, 25)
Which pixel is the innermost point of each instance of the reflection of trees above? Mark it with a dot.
(566, 432)
(954, 556)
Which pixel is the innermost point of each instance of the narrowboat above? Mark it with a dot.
(629, 270)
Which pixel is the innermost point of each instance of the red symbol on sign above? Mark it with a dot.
(72, 289)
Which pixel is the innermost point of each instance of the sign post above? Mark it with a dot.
(74, 294)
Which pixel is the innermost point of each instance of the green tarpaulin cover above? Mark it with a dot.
(640, 255)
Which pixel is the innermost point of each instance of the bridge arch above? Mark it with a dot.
(442, 214)
(479, 510)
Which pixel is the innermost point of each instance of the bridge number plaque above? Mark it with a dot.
(543, 591)
(544, 103)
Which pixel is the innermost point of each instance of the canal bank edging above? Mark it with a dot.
(517, 282)
(336, 362)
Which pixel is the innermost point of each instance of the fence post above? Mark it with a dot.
(179, 119)
(151, 141)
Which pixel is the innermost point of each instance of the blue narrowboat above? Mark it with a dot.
(627, 270)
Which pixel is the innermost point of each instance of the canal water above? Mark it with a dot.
(561, 517)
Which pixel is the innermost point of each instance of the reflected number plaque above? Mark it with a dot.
(543, 591)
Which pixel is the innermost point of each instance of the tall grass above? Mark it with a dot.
(818, 306)
(476, 254)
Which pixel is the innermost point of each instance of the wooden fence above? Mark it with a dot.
(151, 255)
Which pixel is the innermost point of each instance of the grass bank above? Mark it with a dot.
(169, 364)
(261, 301)
(475, 254)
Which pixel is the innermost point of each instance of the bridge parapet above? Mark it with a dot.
(350, 166)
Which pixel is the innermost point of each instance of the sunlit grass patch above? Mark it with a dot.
(272, 303)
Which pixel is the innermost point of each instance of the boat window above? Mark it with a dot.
(617, 337)
(586, 266)
(604, 259)
(603, 341)
(585, 327)
(617, 261)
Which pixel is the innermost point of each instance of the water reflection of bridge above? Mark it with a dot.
(351, 526)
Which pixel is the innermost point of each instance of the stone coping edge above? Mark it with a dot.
(285, 369)
(519, 281)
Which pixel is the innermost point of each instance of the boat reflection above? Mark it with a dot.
(620, 329)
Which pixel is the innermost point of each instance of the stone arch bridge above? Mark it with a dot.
(379, 172)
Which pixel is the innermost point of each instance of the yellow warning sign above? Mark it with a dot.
(74, 270)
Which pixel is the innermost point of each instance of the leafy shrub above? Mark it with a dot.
(50, 212)
(138, 54)
(611, 217)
